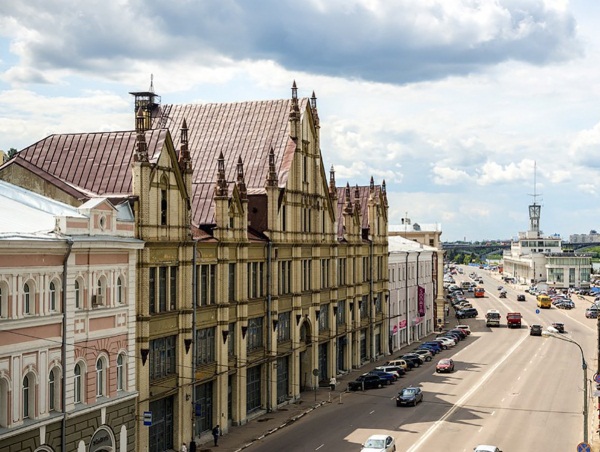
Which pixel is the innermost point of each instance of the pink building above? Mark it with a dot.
(67, 323)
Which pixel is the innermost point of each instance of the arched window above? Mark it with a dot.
(78, 382)
(99, 377)
(163, 207)
(52, 391)
(3, 302)
(100, 292)
(26, 300)
(52, 296)
(119, 290)
(120, 372)
(27, 398)
(77, 295)
(4, 394)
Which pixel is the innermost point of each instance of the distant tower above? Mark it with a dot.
(147, 101)
(534, 209)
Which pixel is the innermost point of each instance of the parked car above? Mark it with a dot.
(409, 396)
(520, 297)
(535, 330)
(449, 337)
(486, 448)
(465, 328)
(460, 332)
(434, 344)
(365, 382)
(592, 313)
(433, 350)
(419, 359)
(379, 443)
(446, 341)
(386, 377)
(445, 365)
(567, 304)
(560, 327)
(394, 370)
(399, 362)
(466, 313)
(426, 354)
(452, 336)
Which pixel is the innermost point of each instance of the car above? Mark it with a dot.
(560, 327)
(466, 313)
(419, 358)
(426, 354)
(486, 448)
(500, 287)
(409, 396)
(458, 331)
(365, 382)
(567, 304)
(434, 344)
(386, 377)
(521, 297)
(535, 330)
(448, 337)
(591, 313)
(446, 343)
(445, 365)
(394, 370)
(465, 328)
(379, 443)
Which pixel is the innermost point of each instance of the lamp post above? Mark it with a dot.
(551, 332)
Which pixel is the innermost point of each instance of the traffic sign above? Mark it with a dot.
(597, 378)
(148, 418)
(584, 447)
(537, 311)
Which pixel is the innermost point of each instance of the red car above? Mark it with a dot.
(445, 365)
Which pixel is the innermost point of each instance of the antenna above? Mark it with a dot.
(535, 195)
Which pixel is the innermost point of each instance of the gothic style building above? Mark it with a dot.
(259, 278)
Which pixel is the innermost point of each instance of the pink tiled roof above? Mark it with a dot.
(241, 129)
(363, 198)
(89, 163)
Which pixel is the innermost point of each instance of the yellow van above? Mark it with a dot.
(544, 301)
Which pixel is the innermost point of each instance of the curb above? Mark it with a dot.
(286, 423)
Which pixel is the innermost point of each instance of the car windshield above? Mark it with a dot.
(409, 392)
(375, 443)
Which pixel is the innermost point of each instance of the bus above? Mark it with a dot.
(544, 301)
(479, 292)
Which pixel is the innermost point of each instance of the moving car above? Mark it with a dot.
(365, 382)
(379, 443)
(591, 313)
(409, 396)
(560, 327)
(566, 304)
(535, 330)
(445, 365)
(520, 297)
(486, 448)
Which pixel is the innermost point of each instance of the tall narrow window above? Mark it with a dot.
(52, 296)
(77, 296)
(163, 207)
(100, 293)
(119, 290)
(231, 283)
(152, 288)
(162, 289)
(173, 288)
(77, 384)
(99, 377)
(52, 391)
(120, 375)
(26, 397)
(26, 300)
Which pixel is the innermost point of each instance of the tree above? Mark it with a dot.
(467, 259)
(12, 152)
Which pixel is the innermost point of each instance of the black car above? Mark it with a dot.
(410, 358)
(386, 377)
(409, 396)
(365, 382)
(535, 330)
(560, 327)
(521, 297)
(466, 313)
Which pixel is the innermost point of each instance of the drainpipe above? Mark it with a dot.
(371, 304)
(406, 300)
(269, 325)
(194, 357)
(63, 351)
(416, 326)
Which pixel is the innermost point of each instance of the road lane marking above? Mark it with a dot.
(372, 412)
(319, 446)
(493, 412)
(462, 401)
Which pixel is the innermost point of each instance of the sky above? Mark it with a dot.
(466, 108)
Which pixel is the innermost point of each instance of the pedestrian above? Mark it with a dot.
(215, 433)
(332, 383)
(192, 445)
(183, 448)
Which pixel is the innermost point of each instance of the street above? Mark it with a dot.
(509, 389)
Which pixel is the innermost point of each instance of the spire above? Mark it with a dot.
(332, 188)
(141, 154)
(357, 198)
(151, 83)
(348, 208)
(384, 193)
(372, 185)
(185, 160)
(313, 108)
(221, 189)
(240, 179)
(272, 178)
(294, 116)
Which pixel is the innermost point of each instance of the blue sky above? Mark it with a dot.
(450, 101)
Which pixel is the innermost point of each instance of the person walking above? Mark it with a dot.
(215, 433)
(332, 383)
(183, 448)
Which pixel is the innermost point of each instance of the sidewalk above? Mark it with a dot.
(242, 437)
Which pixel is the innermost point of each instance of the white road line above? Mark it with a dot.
(461, 402)
(493, 412)
(372, 412)
(319, 446)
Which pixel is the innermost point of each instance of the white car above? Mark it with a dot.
(379, 443)
(486, 448)
(446, 341)
(465, 328)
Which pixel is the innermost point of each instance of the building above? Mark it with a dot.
(535, 258)
(428, 235)
(256, 270)
(67, 311)
(592, 237)
(412, 282)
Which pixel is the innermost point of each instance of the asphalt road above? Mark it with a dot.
(519, 392)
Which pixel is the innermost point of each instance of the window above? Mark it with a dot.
(324, 273)
(100, 292)
(162, 289)
(163, 207)
(78, 390)
(208, 285)
(378, 304)
(3, 302)
(283, 327)
(365, 269)
(162, 357)
(364, 307)
(26, 300)
(26, 398)
(231, 285)
(306, 274)
(231, 340)
(324, 317)
(120, 372)
(52, 295)
(152, 288)
(285, 277)
(77, 295)
(255, 333)
(341, 271)
(205, 346)
(53, 388)
(173, 288)
(341, 312)
(255, 279)
(253, 385)
(119, 290)
(100, 377)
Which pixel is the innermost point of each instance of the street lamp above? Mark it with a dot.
(551, 332)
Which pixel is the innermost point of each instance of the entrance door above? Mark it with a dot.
(323, 362)
(161, 430)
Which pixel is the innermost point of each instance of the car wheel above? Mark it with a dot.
(389, 382)
(417, 364)
(415, 402)
(398, 404)
(379, 385)
(429, 358)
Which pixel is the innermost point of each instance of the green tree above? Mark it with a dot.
(467, 259)
(12, 152)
